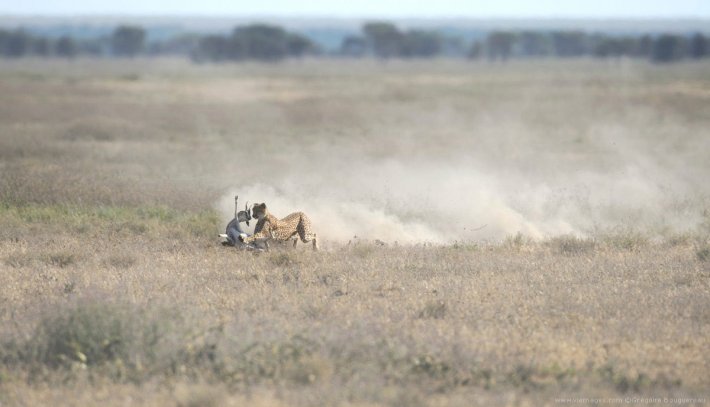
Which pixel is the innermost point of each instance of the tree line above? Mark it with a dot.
(382, 40)
(255, 41)
(124, 41)
(385, 40)
(502, 45)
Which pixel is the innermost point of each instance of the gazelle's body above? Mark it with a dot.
(234, 229)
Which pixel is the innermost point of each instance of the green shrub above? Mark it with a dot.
(122, 261)
(91, 334)
(283, 259)
(703, 253)
(624, 381)
(202, 224)
(430, 366)
(126, 220)
(120, 340)
(161, 213)
(125, 342)
(291, 360)
(630, 241)
(61, 259)
(679, 239)
(19, 260)
(434, 309)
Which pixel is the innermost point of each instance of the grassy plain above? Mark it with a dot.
(546, 232)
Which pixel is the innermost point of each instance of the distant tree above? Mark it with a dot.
(630, 46)
(94, 46)
(41, 47)
(476, 50)
(212, 48)
(615, 47)
(454, 46)
(698, 46)
(18, 43)
(353, 46)
(255, 41)
(127, 40)
(259, 41)
(4, 41)
(535, 44)
(645, 45)
(421, 43)
(603, 46)
(179, 45)
(299, 45)
(668, 48)
(569, 43)
(237, 47)
(66, 47)
(384, 39)
(500, 45)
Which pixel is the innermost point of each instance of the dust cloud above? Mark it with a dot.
(424, 163)
(439, 202)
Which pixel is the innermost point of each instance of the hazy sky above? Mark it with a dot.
(369, 8)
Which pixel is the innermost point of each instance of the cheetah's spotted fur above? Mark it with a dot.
(270, 227)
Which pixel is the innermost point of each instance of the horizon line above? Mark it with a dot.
(355, 17)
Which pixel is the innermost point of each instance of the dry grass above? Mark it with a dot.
(114, 291)
(340, 326)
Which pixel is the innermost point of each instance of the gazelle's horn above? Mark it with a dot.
(236, 198)
(247, 211)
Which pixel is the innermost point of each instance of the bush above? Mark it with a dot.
(291, 360)
(19, 260)
(125, 342)
(61, 259)
(90, 334)
(284, 259)
(517, 242)
(122, 341)
(572, 245)
(434, 309)
(202, 224)
(121, 261)
(631, 241)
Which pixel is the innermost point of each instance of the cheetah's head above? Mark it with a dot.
(259, 210)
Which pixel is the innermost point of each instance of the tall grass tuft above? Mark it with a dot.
(703, 253)
(628, 240)
(90, 334)
(572, 245)
(118, 340)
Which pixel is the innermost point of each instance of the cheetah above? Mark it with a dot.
(270, 227)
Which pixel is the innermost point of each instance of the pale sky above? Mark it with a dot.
(369, 8)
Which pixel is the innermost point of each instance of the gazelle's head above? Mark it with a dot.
(245, 215)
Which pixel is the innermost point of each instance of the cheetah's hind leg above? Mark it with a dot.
(308, 237)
